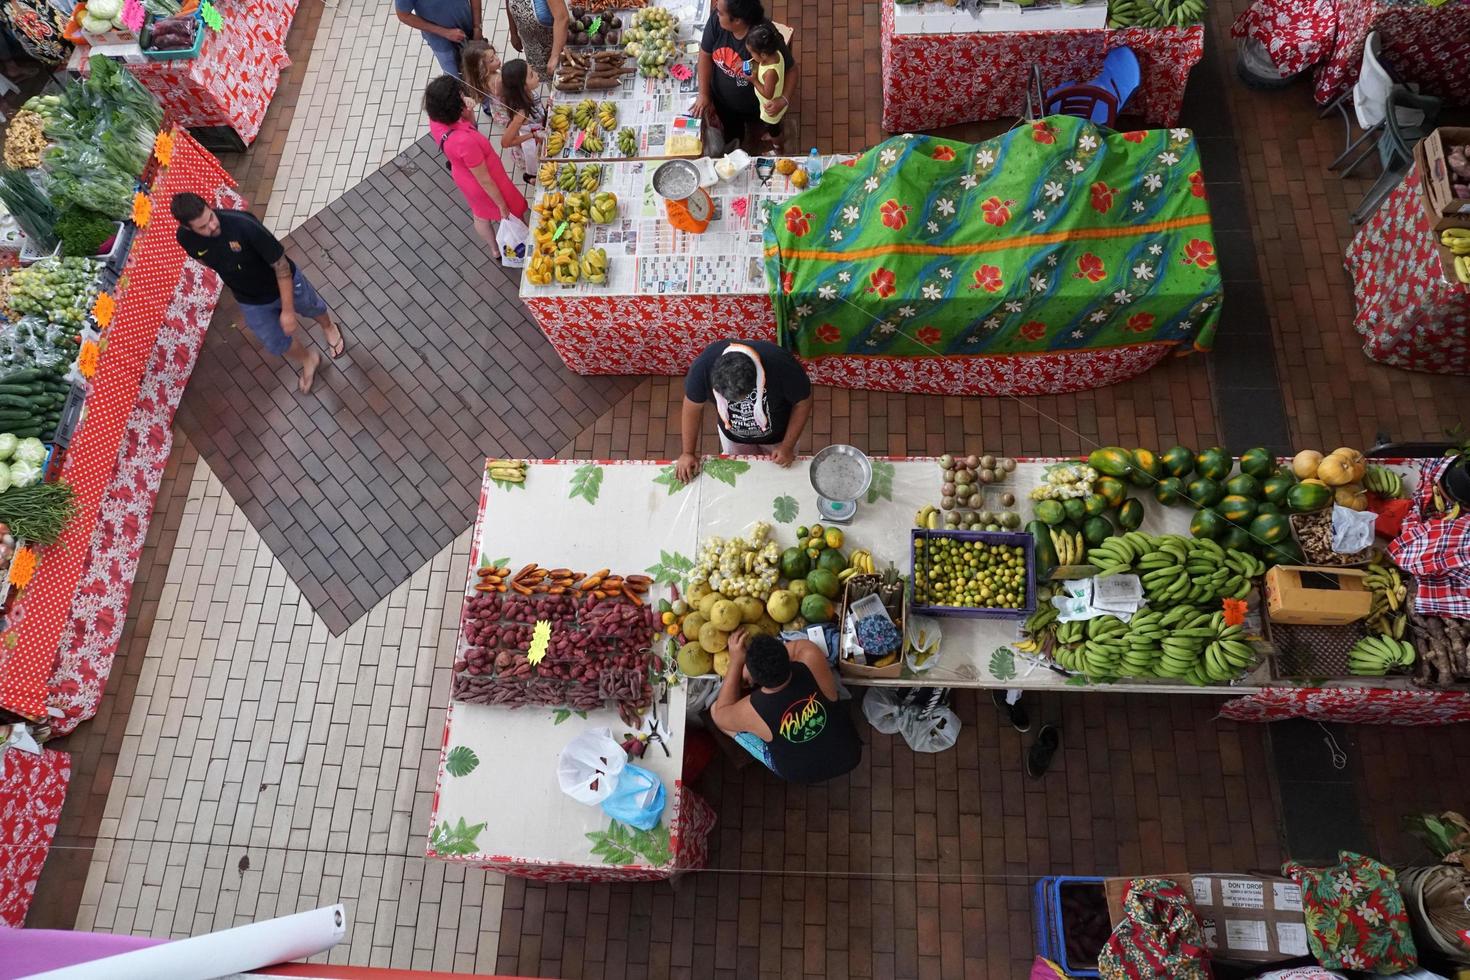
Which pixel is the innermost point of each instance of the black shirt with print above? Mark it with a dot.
(786, 384)
(241, 253)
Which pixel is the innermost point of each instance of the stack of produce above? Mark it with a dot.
(1175, 569)
(590, 71)
(561, 234)
(38, 513)
(1389, 614)
(100, 16)
(1443, 645)
(1181, 642)
(963, 497)
(1374, 656)
(535, 580)
(1155, 13)
(1457, 240)
(52, 302)
(31, 400)
(598, 649)
(589, 27)
(21, 460)
(173, 33)
(955, 573)
(652, 39)
(24, 140)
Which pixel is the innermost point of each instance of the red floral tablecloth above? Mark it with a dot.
(74, 606)
(934, 80)
(1408, 314)
(1357, 706)
(1425, 45)
(32, 789)
(663, 334)
(233, 80)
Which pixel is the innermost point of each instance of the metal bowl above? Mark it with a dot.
(830, 472)
(676, 180)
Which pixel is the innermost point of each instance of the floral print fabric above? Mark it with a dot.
(1355, 915)
(1159, 936)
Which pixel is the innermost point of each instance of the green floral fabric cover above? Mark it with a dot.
(1355, 915)
(1056, 236)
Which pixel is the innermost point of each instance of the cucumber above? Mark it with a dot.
(29, 374)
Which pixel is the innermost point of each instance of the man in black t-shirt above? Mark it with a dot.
(762, 400)
(724, 81)
(271, 291)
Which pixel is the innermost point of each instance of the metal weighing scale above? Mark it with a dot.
(687, 205)
(841, 475)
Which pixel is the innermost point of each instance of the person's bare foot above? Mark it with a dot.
(308, 372)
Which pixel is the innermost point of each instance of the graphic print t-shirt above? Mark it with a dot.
(734, 94)
(812, 738)
(786, 384)
(241, 253)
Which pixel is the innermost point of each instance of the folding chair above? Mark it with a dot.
(1396, 143)
(1368, 96)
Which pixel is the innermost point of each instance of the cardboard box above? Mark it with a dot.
(1446, 210)
(1251, 918)
(1316, 596)
(851, 668)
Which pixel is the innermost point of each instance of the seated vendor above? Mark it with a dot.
(791, 720)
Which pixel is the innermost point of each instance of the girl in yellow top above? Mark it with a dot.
(768, 76)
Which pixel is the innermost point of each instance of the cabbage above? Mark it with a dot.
(30, 450)
(24, 473)
(8, 443)
(96, 25)
(104, 9)
(4, 478)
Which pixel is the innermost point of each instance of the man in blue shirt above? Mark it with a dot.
(446, 24)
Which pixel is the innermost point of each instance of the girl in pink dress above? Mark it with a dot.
(476, 168)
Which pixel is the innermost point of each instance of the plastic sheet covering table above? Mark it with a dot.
(1408, 314)
(934, 80)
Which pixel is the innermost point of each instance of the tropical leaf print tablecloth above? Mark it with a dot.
(1055, 236)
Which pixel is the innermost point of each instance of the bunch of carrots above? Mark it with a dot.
(533, 580)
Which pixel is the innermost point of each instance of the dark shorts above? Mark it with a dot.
(265, 321)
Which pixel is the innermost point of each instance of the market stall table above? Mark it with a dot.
(1131, 276)
(934, 80)
(1422, 43)
(1409, 313)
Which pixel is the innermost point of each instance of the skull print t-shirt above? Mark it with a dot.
(786, 384)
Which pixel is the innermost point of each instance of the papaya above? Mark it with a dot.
(1237, 509)
(1094, 504)
(816, 609)
(1046, 552)
(1266, 507)
(1112, 461)
(1050, 512)
(1214, 463)
(1257, 462)
(832, 560)
(1276, 488)
(1238, 539)
(1130, 515)
(1097, 530)
(1204, 492)
(1147, 468)
(1206, 524)
(1178, 461)
(1075, 509)
(820, 582)
(1307, 497)
(1111, 489)
(795, 563)
(1270, 529)
(1243, 485)
(1169, 490)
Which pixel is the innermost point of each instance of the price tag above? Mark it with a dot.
(132, 15)
(560, 230)
(596, 25)
(211, 16)
(540, 638)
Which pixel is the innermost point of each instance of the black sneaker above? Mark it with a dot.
(1039, 755)
(1014, 713)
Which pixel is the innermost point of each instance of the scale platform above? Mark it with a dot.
(841, 476)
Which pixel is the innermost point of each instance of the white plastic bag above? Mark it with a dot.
(930, 729)
(589, 767)
(922, 639)
(510, 238)
(882, 709)
(1352, 530)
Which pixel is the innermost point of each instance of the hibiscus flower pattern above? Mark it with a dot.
(1141, 322)
(895, 215)
(798, 222)
(883, 282)
(1033, 330)
(988, 278)
(996, 211)
(788, 279)
(828, 333)
(1197, 184)
(1042, 132)
(1091, 268)
(1199, 252)
(942, 152)
(1135, 136)
(1102, 196)
(929, 336)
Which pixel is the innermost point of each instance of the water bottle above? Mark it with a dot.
(814, 167)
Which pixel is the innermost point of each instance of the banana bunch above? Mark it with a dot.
(1377, 655)
(590, 177)
(1183, 646)
(1457, 240)
(1383, 481)
(538, 270)
(607, 116)
(1228, 653)
(1442, 505)
(566, 177)
(546, 175)
(561, 118)
(555, 143)
(507, 470)
(604, 207)
(929, 517)
(1154, 13)
(1175, 569)
(862, 561)
(627, 141)
(1040, 629)
(592, 145)
(1146, 633)
(584, 112)
(594, 266)
(1069, 545)
(1389, 614)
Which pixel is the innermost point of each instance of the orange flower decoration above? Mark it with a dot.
(87, 359)
(103, 309)
(142, 209)
(23, 567)
(163, 147)
(1234, 612)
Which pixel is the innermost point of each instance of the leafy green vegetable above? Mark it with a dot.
(82, 232)
(38, 513)
(35, 214)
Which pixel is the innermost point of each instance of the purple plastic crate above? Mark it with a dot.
(1021, 538)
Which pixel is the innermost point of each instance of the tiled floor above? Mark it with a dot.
(280, 690)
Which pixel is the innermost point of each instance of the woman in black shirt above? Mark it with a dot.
(724, 83)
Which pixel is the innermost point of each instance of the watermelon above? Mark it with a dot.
(1050, 512)
(1204, 492)
(1243, 485)
(1214, 463)
(1046, 552)
(1206, 524)
(1096, 531)
(1237, 509)
(1130, 515)
(1276, 488)
(1147, 469)
(1111, 489)
(1257, 462)
(1178, 461)
(1307, 497)
(1095, 504)
(1111, 461)
(1238, 539)
(1075, 509)
(1271, 528)
(1169, 490)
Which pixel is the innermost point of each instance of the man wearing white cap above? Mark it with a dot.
(762, 401)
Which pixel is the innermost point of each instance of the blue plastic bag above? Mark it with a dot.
(637, 800)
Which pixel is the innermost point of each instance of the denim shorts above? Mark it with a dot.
(265, 321)
(756, 746)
